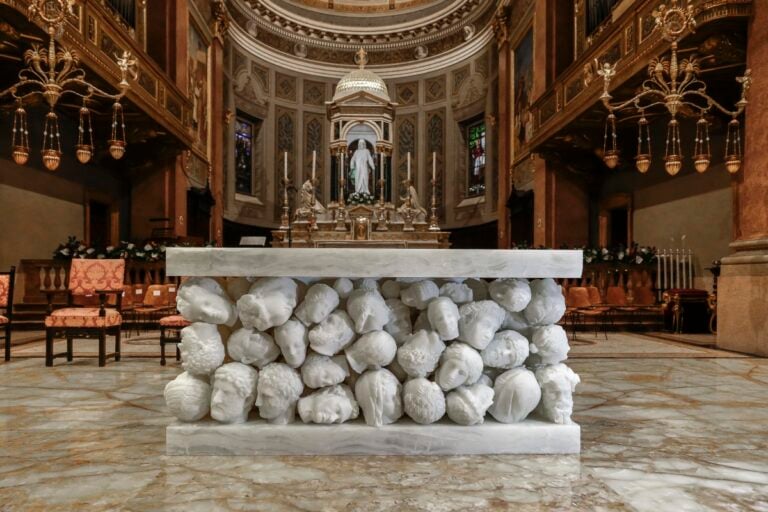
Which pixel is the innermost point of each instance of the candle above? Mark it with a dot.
(677, 268)
(434, 166)
(664, 256)
(285, 165)
(690, 268)
(314, 165)
(658, 275)
(409, 167)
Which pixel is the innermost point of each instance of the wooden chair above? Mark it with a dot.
(170, 332)
(6, 304)
(582, 308)
(155, 302)
(87, 278)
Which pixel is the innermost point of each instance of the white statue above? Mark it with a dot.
(335, 404)
(443, 316)
(202, 299)
(399, 325)
(420, 353)
(460, 365)
(379, 394)
(390, 289)
(201, 348)
(319, 371)
(479, 288)
(333, 334)
(293, 339)
(188, 397)
(343, 287)
(459, 293)
(278, 391)
(367, 310)
(319, 301)
(305, 200)
(516, 395)
(551, 342)
(252, 347)
(511, 294)
(361, 164)
(371, 351)
(557, 383)
(486, 379)
(467, 405)
(507, 349)
(547, 304)
(419, 294)
(415, 203)
(234, 391)
(367, 283)
(479, 321)
(515, 322)
(268, 303)
(423, 401)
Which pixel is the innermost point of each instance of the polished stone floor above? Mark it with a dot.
(676, 434)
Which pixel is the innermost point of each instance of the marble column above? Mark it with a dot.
(743, 284)
(501, 27)
(218, 128)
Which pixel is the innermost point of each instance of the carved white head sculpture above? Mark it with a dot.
(378, 393)
(201, 348)
(420, 353)
(367, 310)
(551, 344)
(330, 336)
(319, 371)
(202, 299)
(293, 338)
(371, 351)
(547, 304)
(507, 349)
(390, 289)
(511, 294)
(188, 397)
(268, 303)
(237, 287)
(399, 325)
(460, 365)
(343, 287)
(515, 322)
(423, 401)
(252, 347)
(367, 283)
(419, 294)
(516, 395)
(557, 383)
(335, 404)
(234, 390)
(479, 321)
(459, 293)
(278, 391)
(443, 316)
(467, 405)
(319, 301)
(479, 288)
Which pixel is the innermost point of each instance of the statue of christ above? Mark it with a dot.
(361, 164)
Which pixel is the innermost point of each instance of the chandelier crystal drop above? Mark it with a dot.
(702, 154)
(20, 136)
(733, 147)
(643, 158)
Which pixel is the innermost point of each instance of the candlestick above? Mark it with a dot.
(658, 276)
(690, 268)
(341, 224)
(285, 165)
(434, 166)
(409, 168)
(314, 166)
(433, 217)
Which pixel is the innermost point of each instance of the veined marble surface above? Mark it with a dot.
(657, 435)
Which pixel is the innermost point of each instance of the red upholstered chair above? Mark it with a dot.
(6, 305)
(581, 308)
(88, 278)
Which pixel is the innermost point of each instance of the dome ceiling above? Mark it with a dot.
(365, 6)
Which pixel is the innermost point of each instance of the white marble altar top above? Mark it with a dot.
(358, 262)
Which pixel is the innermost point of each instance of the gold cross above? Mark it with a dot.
(361, 58)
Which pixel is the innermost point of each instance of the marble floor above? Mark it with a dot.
(666, 434)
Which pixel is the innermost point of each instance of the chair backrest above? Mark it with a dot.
(173, 290)
(578, 297)
(86, 277)
(616, 296)
(644, 296)
(6, 288)
(156, 296)
(127, 295)
(594, 295)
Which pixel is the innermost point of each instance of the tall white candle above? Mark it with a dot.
(285, 165)
(677, 268)
(658, 274)
(690, 268)
(434, 166)
(409, 166)
(666, 280)
(314, 164)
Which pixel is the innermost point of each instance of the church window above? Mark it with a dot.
(244, 156)
(476, 150)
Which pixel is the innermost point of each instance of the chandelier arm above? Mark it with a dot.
(24, 83)
(711, 102)
(36, 71)
(612, 107)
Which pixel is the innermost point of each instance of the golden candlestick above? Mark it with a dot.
(408, 213)
(433, 217)
(285, 219)
(312, 213)
(341, 213)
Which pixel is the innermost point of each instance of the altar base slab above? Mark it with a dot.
(402, 438)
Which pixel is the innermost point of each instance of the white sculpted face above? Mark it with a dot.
(335, 404)
(399, 325)
(201, 349)
(420, 353)
(202, 299)
(508, 349)
(367, 283)
(268, 303)
(419, 294)
(460, 365)
(378, 393)
(368, 311)
(515, 322)
(319, 301)
(459, 293)
(293, 339)
(234, 390)
(516, 395)
(252, 347)
(319, 371)
(188, 397)
(423, 401)
(278, 391)
(467, 405)
(557, 383)
(511, 294)
(479, 321)
(333, 334)
(443, 316)
(551, 344)
(343, 287)
(390, 289)
(547, 304)
(371, 351)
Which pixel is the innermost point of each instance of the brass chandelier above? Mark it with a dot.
(673, 84)
(54, 73)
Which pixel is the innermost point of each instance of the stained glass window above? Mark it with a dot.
(476, 150)
(243, 156)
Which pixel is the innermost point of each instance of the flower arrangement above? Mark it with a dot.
(149, 252)
(634, 255)
(360, 198)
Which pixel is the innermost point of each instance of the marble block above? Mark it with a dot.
(356, 438)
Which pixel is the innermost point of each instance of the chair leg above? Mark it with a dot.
(117, 344)
(69, 348)
(102, 348)
(8, 342)
(48, 347)
(162, 346)
(178, 352)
